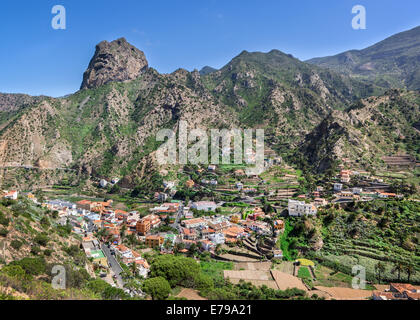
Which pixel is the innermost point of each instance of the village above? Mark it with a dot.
(243, 230)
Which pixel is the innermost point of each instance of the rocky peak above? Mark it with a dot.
(114, 61)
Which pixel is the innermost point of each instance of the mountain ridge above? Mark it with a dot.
(107, 127)
(392, 63)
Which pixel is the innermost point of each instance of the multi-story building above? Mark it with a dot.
(143, 226)
(300, 208)
(154, 241)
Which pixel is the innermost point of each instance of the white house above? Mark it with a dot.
(103, 183)
(187, 213)
(300, 208)
(338, 186)
(12, 194)
(204, 205)
(217, 238)
(357, 190)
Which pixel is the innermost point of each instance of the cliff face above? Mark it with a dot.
(114, 61)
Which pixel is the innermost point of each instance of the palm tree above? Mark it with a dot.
(218, 249)
(379, 268)
(398, 267)
(122, 232)
(409, 269)
(134, 268)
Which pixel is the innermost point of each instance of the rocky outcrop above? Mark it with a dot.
(114, 61)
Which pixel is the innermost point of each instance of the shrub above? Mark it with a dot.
(73, 250)
(4, 220)
(14, 271)
(3, 232)
(104, 289)
(16, 244)
(41, 239)
(35, 250)
(32, 266)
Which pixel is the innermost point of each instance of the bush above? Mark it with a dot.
(16, 244)
(73, 250)
(45, 222)
(41, 239)
(35, 250)
(32, 266)
(4, 220)
(3, 232)
(14, 271)
(105, 290)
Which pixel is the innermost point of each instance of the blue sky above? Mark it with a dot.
(36, 59)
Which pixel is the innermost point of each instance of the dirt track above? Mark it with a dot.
(190, 294)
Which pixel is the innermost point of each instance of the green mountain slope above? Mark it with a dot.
(392, 63)
(366, 131)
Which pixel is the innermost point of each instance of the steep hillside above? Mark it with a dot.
(109, 129)
(32, 242)
(366, 131)
(392, 63)
(11, 104)
(276, 90)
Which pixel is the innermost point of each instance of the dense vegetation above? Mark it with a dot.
(382, 236)
(207, 279)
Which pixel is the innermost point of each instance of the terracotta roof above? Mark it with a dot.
(402, 287)
(413, 295)
(153, 237)
(84, 202)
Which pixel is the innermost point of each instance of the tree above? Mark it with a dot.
(380, 269)
(158, 288)
(178, 270)
(409, 269)
(134, 268)
(193, 249)
(179, 246)
(123, 231)
(167, 244)
(398, 267)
